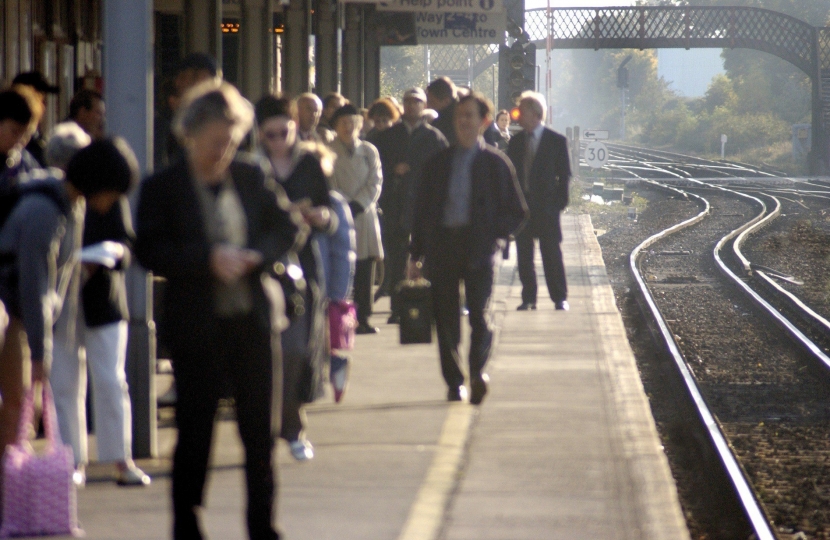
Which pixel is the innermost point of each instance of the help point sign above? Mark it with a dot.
(446, 6)
(459, 28)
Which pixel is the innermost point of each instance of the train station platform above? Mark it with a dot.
(564, 445)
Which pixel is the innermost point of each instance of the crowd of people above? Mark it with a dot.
(242, 192)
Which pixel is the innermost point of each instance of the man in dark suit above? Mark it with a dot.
(467, 204)
(540, 156)
(442, 97)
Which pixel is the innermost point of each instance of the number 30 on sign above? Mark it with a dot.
(596, 155)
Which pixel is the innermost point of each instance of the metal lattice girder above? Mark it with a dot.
(460, 58)
(656, 27)
(686, 27)
(824, 48)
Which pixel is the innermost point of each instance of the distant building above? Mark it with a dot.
(689, 72)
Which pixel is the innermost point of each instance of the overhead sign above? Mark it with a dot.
(596, 155)
(595, 134)
(442, 6)
(459, 28)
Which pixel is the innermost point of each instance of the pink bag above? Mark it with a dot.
(39, 497)
(342, 324)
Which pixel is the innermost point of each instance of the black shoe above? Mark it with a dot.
(366, 328)
(524, 306)
(562, 305)
(478, 389)
(457, 393)
(380, 293)
(393, 319)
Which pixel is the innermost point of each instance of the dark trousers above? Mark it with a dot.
(296, 362)
(551, 263)
(364, 277)
(447, 269)
(242, 356)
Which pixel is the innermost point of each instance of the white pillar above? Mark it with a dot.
(128, 93)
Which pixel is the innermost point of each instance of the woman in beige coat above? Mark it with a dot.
(357, 176)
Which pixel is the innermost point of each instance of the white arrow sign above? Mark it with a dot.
(596, 155)
(595, 134)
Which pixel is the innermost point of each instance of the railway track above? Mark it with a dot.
(761, 399)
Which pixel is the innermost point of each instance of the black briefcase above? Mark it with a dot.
(415, 308)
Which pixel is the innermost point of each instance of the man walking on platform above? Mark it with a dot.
(541, 159)
(404, 148)
(467, 204)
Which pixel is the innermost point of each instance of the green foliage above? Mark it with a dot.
(754, 103)
(401, 69)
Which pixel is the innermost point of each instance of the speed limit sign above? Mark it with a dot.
(596, 155)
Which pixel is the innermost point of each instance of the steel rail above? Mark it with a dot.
(766, 220)
(752, 508)
(702, 161)
(780, 319)
(668, 161)
(794, 301)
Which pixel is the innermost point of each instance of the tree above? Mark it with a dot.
(401, 68)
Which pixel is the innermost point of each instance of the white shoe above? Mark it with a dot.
(301, 449)
(79, 477)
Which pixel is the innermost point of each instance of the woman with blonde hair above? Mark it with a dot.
(210, 224)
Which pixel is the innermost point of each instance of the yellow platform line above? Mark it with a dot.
(427, 513)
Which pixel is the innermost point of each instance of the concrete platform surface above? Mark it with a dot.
(564, 446)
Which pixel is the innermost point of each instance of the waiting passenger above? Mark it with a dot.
(331, 103)
(404, 149)
(442, 97)
(212, 227)
(100, 325)
(309, 108)
(36, 278)
(87, 109)
(358, 177)
(300, 169)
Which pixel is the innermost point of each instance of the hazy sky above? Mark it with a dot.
(530, 4)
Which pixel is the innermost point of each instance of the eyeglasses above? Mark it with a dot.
(274, 135)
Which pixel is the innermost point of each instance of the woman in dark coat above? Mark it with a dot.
(211, 225)
(298, 168)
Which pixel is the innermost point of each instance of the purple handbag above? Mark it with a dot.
(39, 497)
(342, 324)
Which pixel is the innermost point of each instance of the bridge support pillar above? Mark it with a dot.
(202, 27)
(257, 69)
(820, 151)
(325, 47)
(295, 50)
(371, 58)
(128, 92)
(353, 58)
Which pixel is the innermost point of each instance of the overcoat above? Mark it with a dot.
(358, 177)
(547, 187)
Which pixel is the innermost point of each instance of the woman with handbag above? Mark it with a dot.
(299, 168)
(211, 225)
(358, 177)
